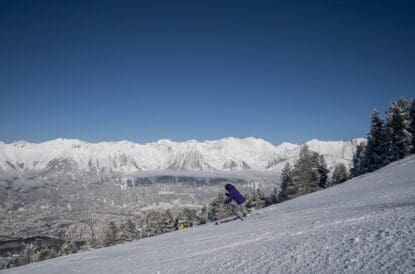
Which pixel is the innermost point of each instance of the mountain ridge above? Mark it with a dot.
(222, 154)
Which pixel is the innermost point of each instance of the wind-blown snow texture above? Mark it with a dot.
(365, 225)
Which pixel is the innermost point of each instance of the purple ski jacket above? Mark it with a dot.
(234, 194)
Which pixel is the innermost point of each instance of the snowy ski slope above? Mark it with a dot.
(365, 225)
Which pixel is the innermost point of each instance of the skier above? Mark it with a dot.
(234, 195)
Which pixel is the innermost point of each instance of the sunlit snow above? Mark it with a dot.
(365, 225)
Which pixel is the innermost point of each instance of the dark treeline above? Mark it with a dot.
(17, 252)
(389, 140)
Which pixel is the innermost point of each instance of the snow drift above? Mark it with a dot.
(365, 225)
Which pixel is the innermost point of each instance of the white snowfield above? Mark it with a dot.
(366, 225)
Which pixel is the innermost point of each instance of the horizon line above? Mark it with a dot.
(172, 141)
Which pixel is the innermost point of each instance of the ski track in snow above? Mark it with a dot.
(365, 225)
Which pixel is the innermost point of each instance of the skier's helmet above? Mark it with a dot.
(228, 187)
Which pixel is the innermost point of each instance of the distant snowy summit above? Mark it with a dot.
(228, 154)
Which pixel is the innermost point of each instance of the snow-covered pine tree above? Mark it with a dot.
(340, 174)
(375, 147)
(404, 104)
(306, 174)
(151, 224)
(287, 183)
(110, 236)
(128, 231)
(189, 217)
(412, 123)
(323, 171)
(397, 131)
(167, 222)
(259, 198)
(358, 160)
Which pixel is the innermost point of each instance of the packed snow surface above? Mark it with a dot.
(365, 225)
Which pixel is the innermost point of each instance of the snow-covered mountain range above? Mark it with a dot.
(226, 154)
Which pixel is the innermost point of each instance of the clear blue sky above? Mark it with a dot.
(145, 70)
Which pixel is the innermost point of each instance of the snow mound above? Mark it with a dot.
(365, 225)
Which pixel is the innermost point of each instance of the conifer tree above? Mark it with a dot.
(306, 174)
(167, 222)
(287, 183)
(340, 174)
(412, 123)
(397, 129)
(189, 217)
(259, 198)
(405, 105)
(128, 231)
(323, 172)
(110, 236)
(151, 224)
(375, 147)
(359, 160)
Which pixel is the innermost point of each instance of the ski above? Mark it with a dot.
(228, 219)
(233, 218)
